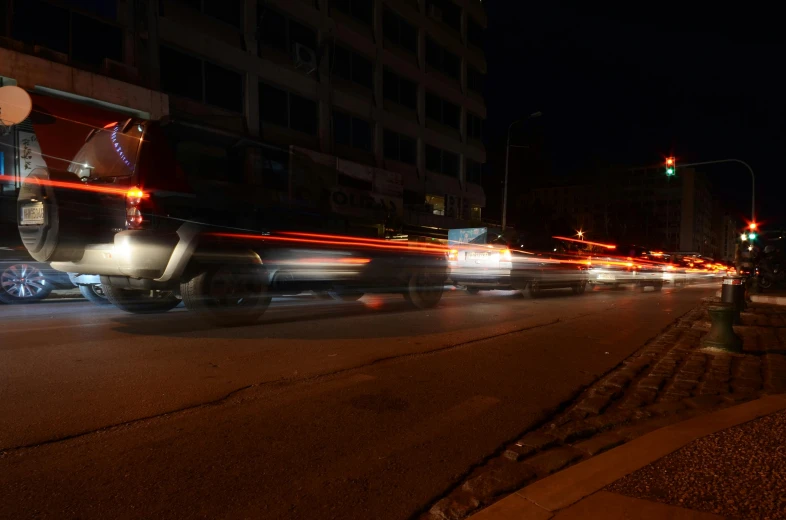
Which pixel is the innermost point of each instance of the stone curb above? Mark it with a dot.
(772, 300)
(560, 490)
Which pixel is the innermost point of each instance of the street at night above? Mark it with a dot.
(323, 410)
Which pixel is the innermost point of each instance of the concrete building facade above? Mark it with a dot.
(391, 87)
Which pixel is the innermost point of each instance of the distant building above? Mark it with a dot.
(394, 86)
(643, 206)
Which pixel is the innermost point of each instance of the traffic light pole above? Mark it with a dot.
(750, 170)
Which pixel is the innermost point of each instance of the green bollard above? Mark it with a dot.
(721, 336)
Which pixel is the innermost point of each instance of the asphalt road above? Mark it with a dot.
(323, 410)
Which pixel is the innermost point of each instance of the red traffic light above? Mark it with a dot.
(752, 226)
(670, 161)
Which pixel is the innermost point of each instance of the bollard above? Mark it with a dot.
(721, 336)
(733, 292)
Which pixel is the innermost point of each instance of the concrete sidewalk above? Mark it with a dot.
(727, 464)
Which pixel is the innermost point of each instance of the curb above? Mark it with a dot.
(545, 497)
(760, 298)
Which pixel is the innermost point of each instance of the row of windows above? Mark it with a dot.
(200, 80)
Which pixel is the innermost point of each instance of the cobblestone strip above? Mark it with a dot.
(667, 381)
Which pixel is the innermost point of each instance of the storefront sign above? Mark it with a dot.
(30, 156)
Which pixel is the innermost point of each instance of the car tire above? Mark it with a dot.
(23, 283)
(658, 286)
(579, 288)
(138, 301)
(94, 293)
(473, 290)
(534, 289)
(228, 295)
(424, 289)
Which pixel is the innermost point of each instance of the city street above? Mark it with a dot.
(323, 410)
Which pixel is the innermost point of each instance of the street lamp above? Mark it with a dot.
(507, 159)
(580, 234)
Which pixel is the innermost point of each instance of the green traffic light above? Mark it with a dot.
(669, 171)
(752, 236)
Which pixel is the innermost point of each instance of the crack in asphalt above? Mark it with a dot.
(288, 382)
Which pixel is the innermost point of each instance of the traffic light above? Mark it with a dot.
(752, 226)
(751, 236)
(671, 167)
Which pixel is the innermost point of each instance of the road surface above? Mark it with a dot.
(323, 410)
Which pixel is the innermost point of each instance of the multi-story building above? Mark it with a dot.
(386, 92)
(644, 206)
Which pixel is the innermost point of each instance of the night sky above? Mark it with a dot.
(623, 85)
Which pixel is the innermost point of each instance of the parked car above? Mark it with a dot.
(23, 280)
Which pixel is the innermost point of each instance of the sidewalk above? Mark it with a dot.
(729, 464)
(632, 431)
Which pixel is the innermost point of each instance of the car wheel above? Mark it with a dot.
(424, 289)
(473, 290)
(579, 288)
(229, 295)
(658, 286)
(139, 301)
(534, 289)
(23, 283)
(94, 293)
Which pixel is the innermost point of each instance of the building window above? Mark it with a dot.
(474, 79)
(445, 11)
(399, 147)
(286, 109)
(400, 90)
(442, 161)
(228, 11)
(352, 67)
(442, 60)
(351, 131)
(282, 33)
(474, 171)
(474, 127)
(62, 30)
(361, 10)
(436, 203)
(398, 31)
(442, 111)
(474, 213)
(474, 32)
(197, 79)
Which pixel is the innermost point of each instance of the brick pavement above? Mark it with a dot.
(668, 380)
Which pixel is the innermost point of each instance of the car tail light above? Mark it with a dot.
(453, 255)
(505, 255)
(134, 198)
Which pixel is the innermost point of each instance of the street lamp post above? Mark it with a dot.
(507, 160)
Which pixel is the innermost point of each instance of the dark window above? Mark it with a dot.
(474, 79)
(400, 90)
(442, 161)
(85, 32)
(352, 182)
(351, 131)
(442, 59)
(361, 10)
(202, 81)
(442, 111)
(474, 32)
(229, 11)
(181, 74)
(474, 127)
(398, 31)
(104, 9)
(446, 12)
(474, 171)
(282, 33)
(223, 87)
(400, 147)
(287, 109)
(352, 67)
(71, 33)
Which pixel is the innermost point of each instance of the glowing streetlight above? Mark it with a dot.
(580, 234)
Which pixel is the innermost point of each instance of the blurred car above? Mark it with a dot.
(619, 265)
(23, 280)
(500, 265)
